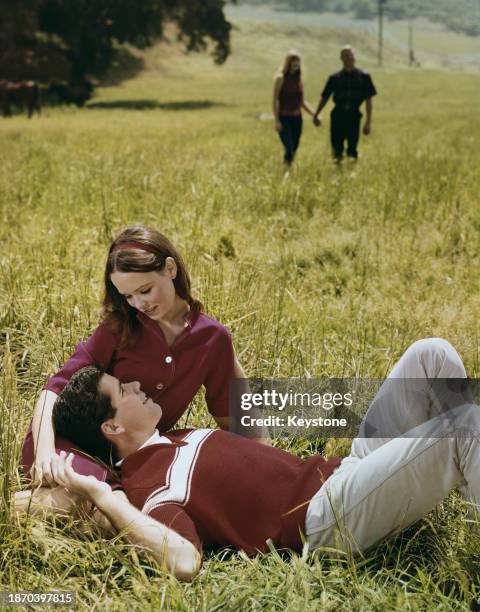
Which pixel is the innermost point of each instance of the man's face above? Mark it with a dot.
(348, 58)
(135, 412)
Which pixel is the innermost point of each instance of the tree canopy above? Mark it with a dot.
(86, 33)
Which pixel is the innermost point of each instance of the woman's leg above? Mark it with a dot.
(286, 137)
(394, 486)
(428, 380)
(297, 124)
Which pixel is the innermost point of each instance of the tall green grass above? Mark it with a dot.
(321, 271)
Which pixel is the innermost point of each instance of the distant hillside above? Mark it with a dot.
(457, 15)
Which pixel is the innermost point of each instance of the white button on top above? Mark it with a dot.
(159, 386)
(168, 359)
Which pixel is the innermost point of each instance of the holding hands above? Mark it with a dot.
(41, 471)
(316, 120)
(87, 487)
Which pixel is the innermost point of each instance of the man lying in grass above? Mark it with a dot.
(212, 487)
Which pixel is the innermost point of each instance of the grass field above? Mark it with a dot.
(324, 271)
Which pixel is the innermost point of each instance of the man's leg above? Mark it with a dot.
(409, 397)
(337, 135)
(353, 133)
(392, 487)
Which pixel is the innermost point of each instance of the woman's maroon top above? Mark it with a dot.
(290, 97)
(171, 375)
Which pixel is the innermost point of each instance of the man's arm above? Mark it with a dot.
(166, 545)
(326, 93)
(368, 122)
(43, 502)
(320, 107)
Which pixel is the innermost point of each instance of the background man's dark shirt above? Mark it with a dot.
(349, 89)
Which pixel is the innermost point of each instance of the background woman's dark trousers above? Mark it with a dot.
(290, 136)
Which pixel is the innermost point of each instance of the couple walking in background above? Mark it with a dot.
(350, 87)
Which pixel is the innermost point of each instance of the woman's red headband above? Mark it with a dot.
(134, 245)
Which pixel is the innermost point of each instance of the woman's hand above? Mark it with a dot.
(41, 470)
(87, 487)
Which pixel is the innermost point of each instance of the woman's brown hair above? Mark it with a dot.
(291, 55)
(115, 308)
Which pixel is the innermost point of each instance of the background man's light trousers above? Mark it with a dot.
(387, 483)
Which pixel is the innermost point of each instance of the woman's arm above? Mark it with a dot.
(97, 349)
(224, 422)
(275, 104)
(43, 438)
(306, 106)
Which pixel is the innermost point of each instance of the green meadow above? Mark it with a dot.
(321, 271)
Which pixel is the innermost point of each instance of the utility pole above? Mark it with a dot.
(411, 52)
(380, 31)
(412, 12)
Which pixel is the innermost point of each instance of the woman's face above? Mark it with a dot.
(294, 65)
(153, 293)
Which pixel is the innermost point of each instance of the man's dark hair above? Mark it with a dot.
(80, 410)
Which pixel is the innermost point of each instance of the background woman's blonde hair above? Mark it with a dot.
(291, 55)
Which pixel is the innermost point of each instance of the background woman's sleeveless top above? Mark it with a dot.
(290, 97)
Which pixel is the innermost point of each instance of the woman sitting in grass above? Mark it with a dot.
(152, 331)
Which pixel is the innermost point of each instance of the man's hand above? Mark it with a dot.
(166, 545)
(278, 126)
(367, 128)
(84, 486)
(316, 120)
(41, 470)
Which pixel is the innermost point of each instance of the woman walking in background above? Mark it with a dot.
(288, 103)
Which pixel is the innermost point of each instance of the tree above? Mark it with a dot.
(23, 54)
(364, 9)
(87, 32)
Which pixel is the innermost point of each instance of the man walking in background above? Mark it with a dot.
(350, 88)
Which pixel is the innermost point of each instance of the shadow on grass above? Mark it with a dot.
(154, 104)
